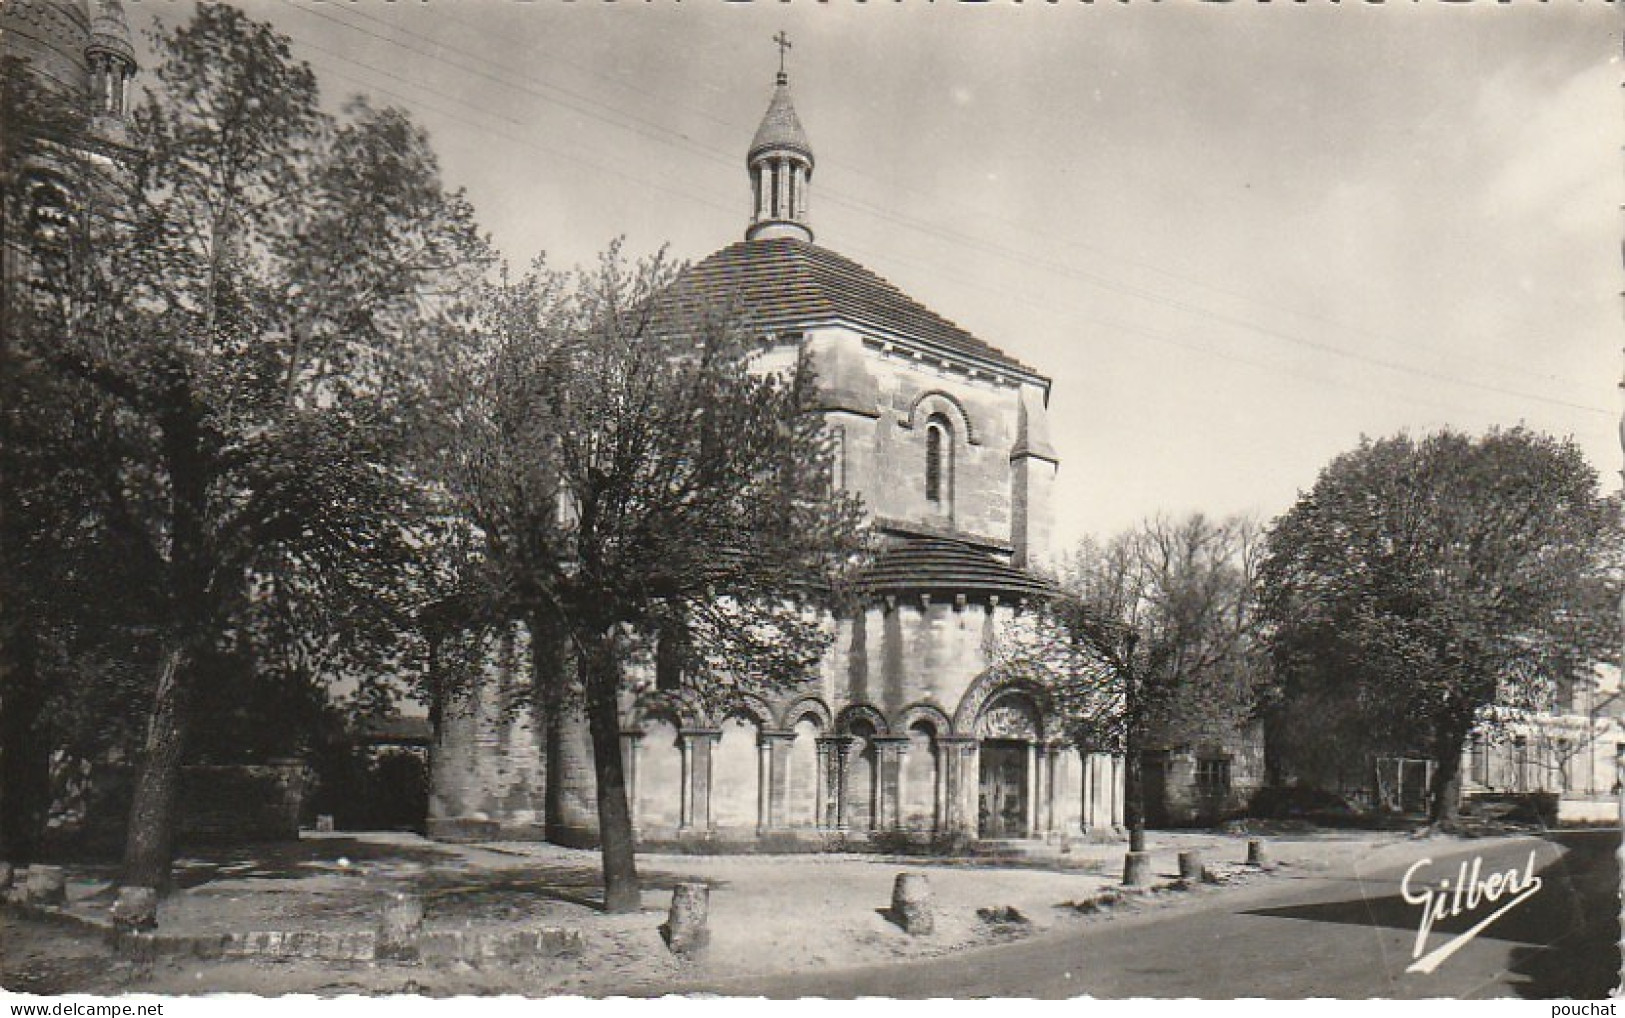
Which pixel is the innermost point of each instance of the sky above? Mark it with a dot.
(1237, 237)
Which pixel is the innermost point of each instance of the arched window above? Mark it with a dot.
(939, 462)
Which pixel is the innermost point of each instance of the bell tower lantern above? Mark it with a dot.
(781, 164)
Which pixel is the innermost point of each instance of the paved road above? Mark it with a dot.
(1344, 933)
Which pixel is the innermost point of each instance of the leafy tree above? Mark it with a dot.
(1423, 581)
(252, 305)
(631, 470)
(1150, 637)
(69, 640)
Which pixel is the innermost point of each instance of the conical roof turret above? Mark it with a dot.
(109, 31)
(780, 128)
(780, 163)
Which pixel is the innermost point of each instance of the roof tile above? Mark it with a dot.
(784, 284)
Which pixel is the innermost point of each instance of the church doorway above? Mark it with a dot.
(1002, 798)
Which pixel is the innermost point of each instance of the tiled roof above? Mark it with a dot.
(926, 565)
(780, 127)
(109, 30)
(785, 284)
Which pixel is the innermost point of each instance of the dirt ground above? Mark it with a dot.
(768, 913)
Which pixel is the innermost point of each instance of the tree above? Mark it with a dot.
(632, 470)
(1152, 634)
(1422, 582)
(252, 306)
(69, 640)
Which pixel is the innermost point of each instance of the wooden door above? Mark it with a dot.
(1002, 802)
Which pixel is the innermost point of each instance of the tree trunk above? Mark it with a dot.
(601, 679)
(149, 846)
(1133, 779)
(1446, 808)
(25, 752)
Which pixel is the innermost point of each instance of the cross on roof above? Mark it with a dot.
(784, 44)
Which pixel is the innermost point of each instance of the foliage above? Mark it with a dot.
(1422, 581)
(634, 470)
(73, 650)
(246, 316)
(626, 466)
(1169, 603)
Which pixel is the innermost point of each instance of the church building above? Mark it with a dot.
(905, 732)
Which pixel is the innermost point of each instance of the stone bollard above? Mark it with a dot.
(1190, 866)
(1137, 869)
(399, 927)
(1256, 856)
(687, 929)
(911, 904)
(47, 885)
(324, 823)
(136, 910)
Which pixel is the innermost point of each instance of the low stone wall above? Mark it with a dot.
(250, 802)
(430, 947)
(1588, 811)
(426, 946)
(218, 803)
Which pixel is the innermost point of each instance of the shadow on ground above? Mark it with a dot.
(1567, 934)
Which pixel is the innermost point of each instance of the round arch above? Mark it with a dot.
(990, 685)
(664, 705)
(747, 707)
(925, 710)
(862, 711)
(938, 401)
(800, 707)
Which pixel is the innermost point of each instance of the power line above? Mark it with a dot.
(1069, 241)
(661, 135)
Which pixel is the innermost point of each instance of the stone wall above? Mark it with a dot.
(239, 803)
(487, 770)
(219, 803)
(1185, 799)
(880, 400)
(886, 740)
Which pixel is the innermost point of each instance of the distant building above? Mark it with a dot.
(1570, 750)
(1204, 777)
(905, 728)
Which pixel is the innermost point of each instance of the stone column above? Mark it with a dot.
(889, 750)
(698, 745)
(685, 785)
(958, 758)
(1033, 787)
(776, 778)
(832, 754)
(764, 777)
(1044, 809)
(1117, 789)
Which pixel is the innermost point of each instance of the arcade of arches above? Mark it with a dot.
(993, 770)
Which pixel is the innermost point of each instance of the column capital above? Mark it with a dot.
(956, 740)
(701, 733)
(775, 735)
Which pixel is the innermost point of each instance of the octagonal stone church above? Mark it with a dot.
(905, 731)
